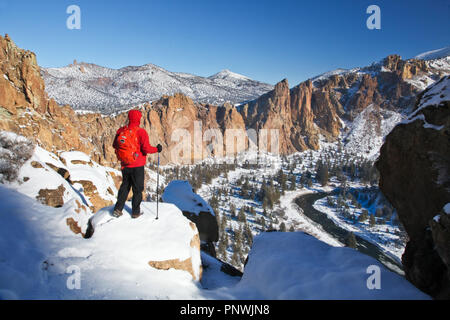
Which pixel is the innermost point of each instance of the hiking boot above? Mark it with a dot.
(117, 213)
(136, 215)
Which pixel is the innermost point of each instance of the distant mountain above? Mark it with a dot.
(86, 86)
(435, 54)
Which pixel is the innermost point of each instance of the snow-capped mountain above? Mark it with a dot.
(86, 86)
(434, 54)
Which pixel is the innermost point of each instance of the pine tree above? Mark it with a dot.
(293, 182)
(282, 227)
(222, 249)
(241, 215)
(372, 221)
(232, 210)
(248, 235)
(235, 257)
(363, 216)
(351, 240)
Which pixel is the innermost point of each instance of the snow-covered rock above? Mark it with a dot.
(181, 194)
(172, 241)
(295, 265)
(54, 180)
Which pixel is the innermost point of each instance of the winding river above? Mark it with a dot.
(307, 201)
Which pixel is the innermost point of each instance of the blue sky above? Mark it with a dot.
(265, 40)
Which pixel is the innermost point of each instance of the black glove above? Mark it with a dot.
(159, 147)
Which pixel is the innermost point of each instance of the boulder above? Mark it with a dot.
(194, 207)
(52, 197)
(414, 171)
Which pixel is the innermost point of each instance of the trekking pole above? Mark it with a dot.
(157, 188)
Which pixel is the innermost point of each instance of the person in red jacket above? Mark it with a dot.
(133, 173)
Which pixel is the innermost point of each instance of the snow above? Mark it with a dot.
(89, 170)
(447, 208)
(382, 235)
(295, 265)
(432, 96)
(37, 249)
(328, 74)
(225, 74)
(435, 94)
(181, 194)
(426, 125)
(294, 215)
(43, 178)
(434, 54)
(365, 135)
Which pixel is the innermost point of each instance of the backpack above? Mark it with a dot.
(127, 145)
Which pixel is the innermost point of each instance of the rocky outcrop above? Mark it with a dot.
(181, 194)
(171, 242)
(187, 264)
(414, 167)
(52, 197)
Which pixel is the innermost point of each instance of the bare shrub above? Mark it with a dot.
(15, 150)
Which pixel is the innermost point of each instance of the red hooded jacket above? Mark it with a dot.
(134, 119)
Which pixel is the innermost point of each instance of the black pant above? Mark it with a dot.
(131, 178)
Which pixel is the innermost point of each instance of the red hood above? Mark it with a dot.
(134, 118)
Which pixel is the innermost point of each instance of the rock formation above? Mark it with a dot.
(414, 168)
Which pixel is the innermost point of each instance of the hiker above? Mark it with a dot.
(132, 146)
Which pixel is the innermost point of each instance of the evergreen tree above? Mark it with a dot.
(241, 215)
(235, 258)
(351, 240)
(322, 174)
(293, 182)
(372, 221)
(363, 216)
(232, 210)
(282, 227)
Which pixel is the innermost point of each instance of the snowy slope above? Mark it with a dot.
(92, 87)
(367, 131)
(38, 254)
(434, 54)
(295, 265)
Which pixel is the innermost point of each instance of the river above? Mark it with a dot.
(307, 201)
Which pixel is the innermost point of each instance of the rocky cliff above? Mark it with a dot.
(302, 115)
(414, 167)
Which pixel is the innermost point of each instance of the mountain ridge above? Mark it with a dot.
(111, 90)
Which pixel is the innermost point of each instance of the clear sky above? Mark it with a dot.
(264, 40)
